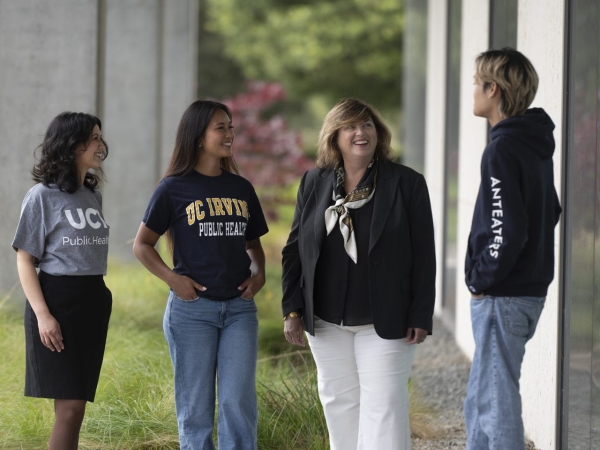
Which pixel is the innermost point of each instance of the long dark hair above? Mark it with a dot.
(191, 130)
(65, 135)
(189, 133)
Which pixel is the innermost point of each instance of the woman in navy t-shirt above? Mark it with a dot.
(213, 222)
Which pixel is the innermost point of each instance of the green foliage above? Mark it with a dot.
(219, 76)
(336, 48)
(134, 401)
(271, 343)
(20, 417)
(291, 416)
(134, 407)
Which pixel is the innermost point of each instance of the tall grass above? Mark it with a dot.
(134, 407)
(291, 416)
(134, 401)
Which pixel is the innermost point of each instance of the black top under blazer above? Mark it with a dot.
(401, 250)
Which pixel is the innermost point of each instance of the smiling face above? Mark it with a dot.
(357, 140)
(92, 154)
(218, 137)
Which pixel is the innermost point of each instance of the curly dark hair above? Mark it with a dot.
(66, 134)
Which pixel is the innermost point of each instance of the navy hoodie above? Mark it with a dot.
(511, 245)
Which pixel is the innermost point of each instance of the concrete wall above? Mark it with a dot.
(48, 64)
(132, 62)
(154, 43)
(541, 36)
(179, 69)
(414, 84)
(472, 138)
(435, 125)
(131, 115)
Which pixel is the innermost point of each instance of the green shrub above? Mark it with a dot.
(134, 407)
(290, 413)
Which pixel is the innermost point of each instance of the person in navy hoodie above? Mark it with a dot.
(510, 256)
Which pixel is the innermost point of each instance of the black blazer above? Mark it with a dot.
(401, 250)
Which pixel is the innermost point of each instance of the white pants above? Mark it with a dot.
(363, 386)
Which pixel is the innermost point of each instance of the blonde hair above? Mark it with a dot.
(514, 75)
(347, 112)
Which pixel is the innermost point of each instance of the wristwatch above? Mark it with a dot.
(292, 314)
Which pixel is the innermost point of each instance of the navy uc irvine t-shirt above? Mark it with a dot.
(210, 219)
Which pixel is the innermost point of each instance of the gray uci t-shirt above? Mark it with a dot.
(65, 232)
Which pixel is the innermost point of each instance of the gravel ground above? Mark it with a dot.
(440, 373)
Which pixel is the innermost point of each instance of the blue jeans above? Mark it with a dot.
(214, 341)
(501, 328)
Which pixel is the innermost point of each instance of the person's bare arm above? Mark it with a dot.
(49, 328)
(144, 250)
(256, 281)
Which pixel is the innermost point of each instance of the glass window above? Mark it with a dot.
(451, 162)
(581, 410)
(504, 15)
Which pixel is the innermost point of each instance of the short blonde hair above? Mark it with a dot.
(346, 112)
(513, 73)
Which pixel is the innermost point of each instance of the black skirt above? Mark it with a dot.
(82, 307)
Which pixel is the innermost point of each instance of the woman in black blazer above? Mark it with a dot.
(359, 277)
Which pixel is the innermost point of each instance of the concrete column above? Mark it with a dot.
(472, 138)
(48, 64)
(179, 69)
(131, 115)
(414, 84)
(541, 37)
(435, 124)
(131, 62)
(149, 80)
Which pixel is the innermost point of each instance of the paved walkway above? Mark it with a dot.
(440, 373)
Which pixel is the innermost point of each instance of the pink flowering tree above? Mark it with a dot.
(267, 152)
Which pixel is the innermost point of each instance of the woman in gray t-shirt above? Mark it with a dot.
(62, 232)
